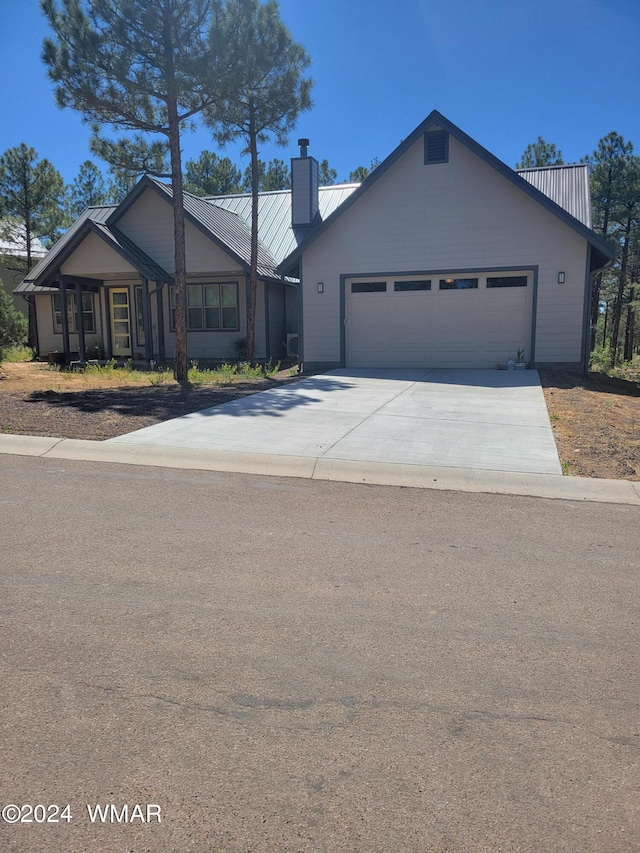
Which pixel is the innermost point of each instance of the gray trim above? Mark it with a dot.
(511, 268)
(343, 320)
(586, 317)
(267, 335)
(437, 119)
(300, 321)
(428, 162)
(80, 322)
(534, 315)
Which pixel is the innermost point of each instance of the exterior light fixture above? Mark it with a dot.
(321, 287)
(560, 278)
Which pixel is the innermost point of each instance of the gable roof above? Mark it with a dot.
(603, 250)
(225, 228)
(39, 280)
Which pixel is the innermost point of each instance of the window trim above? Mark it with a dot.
(72, 313)
(202, 285)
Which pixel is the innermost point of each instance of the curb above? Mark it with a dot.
(551, 486)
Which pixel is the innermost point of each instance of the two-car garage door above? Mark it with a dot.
(438, 320)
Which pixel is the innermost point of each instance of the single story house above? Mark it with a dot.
(443, 256)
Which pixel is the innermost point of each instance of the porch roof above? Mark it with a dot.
(41, 277)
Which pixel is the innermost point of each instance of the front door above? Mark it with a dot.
(120, 313)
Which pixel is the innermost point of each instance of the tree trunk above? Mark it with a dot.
(630, 327)
(597, 287)
(622, 283)
(180, 274)
(180, 262)
(253, 273)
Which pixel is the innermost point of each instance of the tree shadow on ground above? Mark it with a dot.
(599, 382)
(165, 402)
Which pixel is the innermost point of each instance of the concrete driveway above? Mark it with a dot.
(478, 419)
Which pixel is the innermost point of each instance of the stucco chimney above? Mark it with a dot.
(304, 187)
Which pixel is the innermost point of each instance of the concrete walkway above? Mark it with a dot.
(435, 429)
(485, 420)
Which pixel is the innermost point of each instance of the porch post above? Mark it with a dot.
(80, 322)
(65, 319)
(160, 295)
(146, 321)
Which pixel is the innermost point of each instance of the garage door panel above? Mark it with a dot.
(434, 328)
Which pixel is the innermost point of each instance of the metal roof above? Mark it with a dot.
(13, 241)
(274, 215)
(228, 230)
(568, 186)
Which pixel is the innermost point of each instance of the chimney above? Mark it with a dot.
(304, 187)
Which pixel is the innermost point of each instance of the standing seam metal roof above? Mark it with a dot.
(568, 186)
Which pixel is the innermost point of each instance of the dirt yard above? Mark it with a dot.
(596, 421)
(596, 424)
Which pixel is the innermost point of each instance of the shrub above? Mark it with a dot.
(18, 352)
(13, 325)
(600, 359)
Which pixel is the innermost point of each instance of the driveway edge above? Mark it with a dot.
(320, 468)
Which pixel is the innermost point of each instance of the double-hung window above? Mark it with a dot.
(210, 307)
(88, 313)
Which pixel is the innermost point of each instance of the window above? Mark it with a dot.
(210, 307)
(403, 286)
(507, 281)
(88, 315)
(369, 287)
(458, 283)
(436, 147)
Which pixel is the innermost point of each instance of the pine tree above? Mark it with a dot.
(137, 66)
(268, 94)
(540, 153)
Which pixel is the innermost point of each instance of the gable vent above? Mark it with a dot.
(436, 146)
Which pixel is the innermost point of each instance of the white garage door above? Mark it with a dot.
(452, 320)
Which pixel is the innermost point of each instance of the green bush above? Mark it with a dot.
(18, 352)
(600, 359)
(13, 325)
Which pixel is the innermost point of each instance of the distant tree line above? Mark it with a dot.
(614, 176)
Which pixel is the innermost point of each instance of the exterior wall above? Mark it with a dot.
(94, 258)
(220, 345)
(50, 341)
(149, 223)
(277, 321)
(454, 216)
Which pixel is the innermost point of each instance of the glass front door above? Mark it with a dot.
(120, 311)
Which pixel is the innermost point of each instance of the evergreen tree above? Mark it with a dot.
(31, 205)
(31, 194)
(212, 175)
(13, 326)
(269, 92)
(137, 66)
(87, 189)
(540, 153)
(326, 175)
(608, 167)
(274, 175)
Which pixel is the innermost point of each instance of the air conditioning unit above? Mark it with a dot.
(292, 346)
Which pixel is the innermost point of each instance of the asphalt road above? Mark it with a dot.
(293, 665)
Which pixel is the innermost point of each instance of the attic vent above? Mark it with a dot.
(436, 146)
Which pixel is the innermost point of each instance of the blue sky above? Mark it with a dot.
(505, 71)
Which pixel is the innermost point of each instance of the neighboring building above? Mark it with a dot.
(13, 257)
(443, 256)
